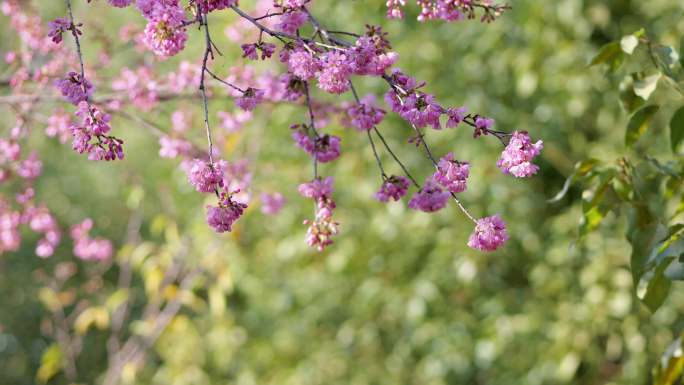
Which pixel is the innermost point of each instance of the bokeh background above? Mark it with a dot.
(399, 298)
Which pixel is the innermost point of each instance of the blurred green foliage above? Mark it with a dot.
(399, 298)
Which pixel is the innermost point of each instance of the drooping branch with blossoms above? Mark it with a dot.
(312, 59)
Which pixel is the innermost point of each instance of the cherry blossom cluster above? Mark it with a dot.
(90, 135)
(310, 59)
(26, 211)
(517, 158)
(86, 247)
(209, 177)
(165, 32)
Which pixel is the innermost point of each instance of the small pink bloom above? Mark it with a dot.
(204, 176)
(517, 157)
(430, 198)
(452, 174)
(489, 234)
(395, 187)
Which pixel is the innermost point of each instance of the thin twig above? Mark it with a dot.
(370, 138)
(312, 124)
(205, 102)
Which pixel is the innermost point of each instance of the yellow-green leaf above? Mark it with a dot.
(610, 54)
(639, 123)
(98, 316)
(51, 363)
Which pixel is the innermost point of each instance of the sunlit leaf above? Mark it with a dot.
(610, 54)
(94, 316)
(595, 206)
(51, 363)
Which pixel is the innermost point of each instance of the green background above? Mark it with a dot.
(399, 298)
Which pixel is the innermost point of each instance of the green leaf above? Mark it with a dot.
(639, 123)
(630, 101)
(643, 234)
(596, 203)
(610, 54)
(646, 85)
(51, 363)
(672, 246)
(658, 287)
(681, 51)
(592, 218)
(677, 129)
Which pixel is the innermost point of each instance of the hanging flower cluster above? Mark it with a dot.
(312, 60)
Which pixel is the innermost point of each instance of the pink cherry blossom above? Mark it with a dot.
(429, 198)
(395, 187)
(452, 174)
(365, 115)
(74, 88)
(204, 176)
(517, 157)
(489, 234)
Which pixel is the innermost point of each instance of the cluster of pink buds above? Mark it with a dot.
(208, 177)
(58, 27)
(323, 148)
(394, 187)
(365, 115)
(75, 88)
(323, 227)
(90, 135)
(214, 5)
(251, 51)
(222, 217)
(448, 10)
